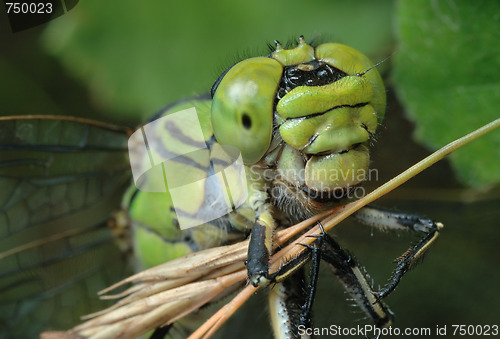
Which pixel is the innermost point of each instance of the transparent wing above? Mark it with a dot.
(60, 178)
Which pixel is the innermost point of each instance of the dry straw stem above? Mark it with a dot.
(164, 294)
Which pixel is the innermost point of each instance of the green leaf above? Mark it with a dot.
(446, 74)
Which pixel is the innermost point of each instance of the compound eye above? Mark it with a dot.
(243, 105)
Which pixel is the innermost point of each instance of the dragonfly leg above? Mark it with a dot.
(291, 298)
(260, 249)
(390, 220)
(286, 300)
(344, 267)
(306, 309)
(354, 279)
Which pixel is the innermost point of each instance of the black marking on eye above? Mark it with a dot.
(312, 73)
(246, 121)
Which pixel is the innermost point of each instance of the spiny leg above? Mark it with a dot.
(306, 309)
(290, 300)
(389, 220)
(306, 314)
(286, 300)
(353, 278)
(344, 267)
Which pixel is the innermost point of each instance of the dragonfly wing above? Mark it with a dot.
(60, 177)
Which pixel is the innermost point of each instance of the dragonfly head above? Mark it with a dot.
(322, 104)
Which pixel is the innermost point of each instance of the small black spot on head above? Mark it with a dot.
(246, 121)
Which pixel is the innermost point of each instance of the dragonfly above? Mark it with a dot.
(280, 138)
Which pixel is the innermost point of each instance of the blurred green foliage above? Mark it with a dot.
(446, 74)
(135, 58)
